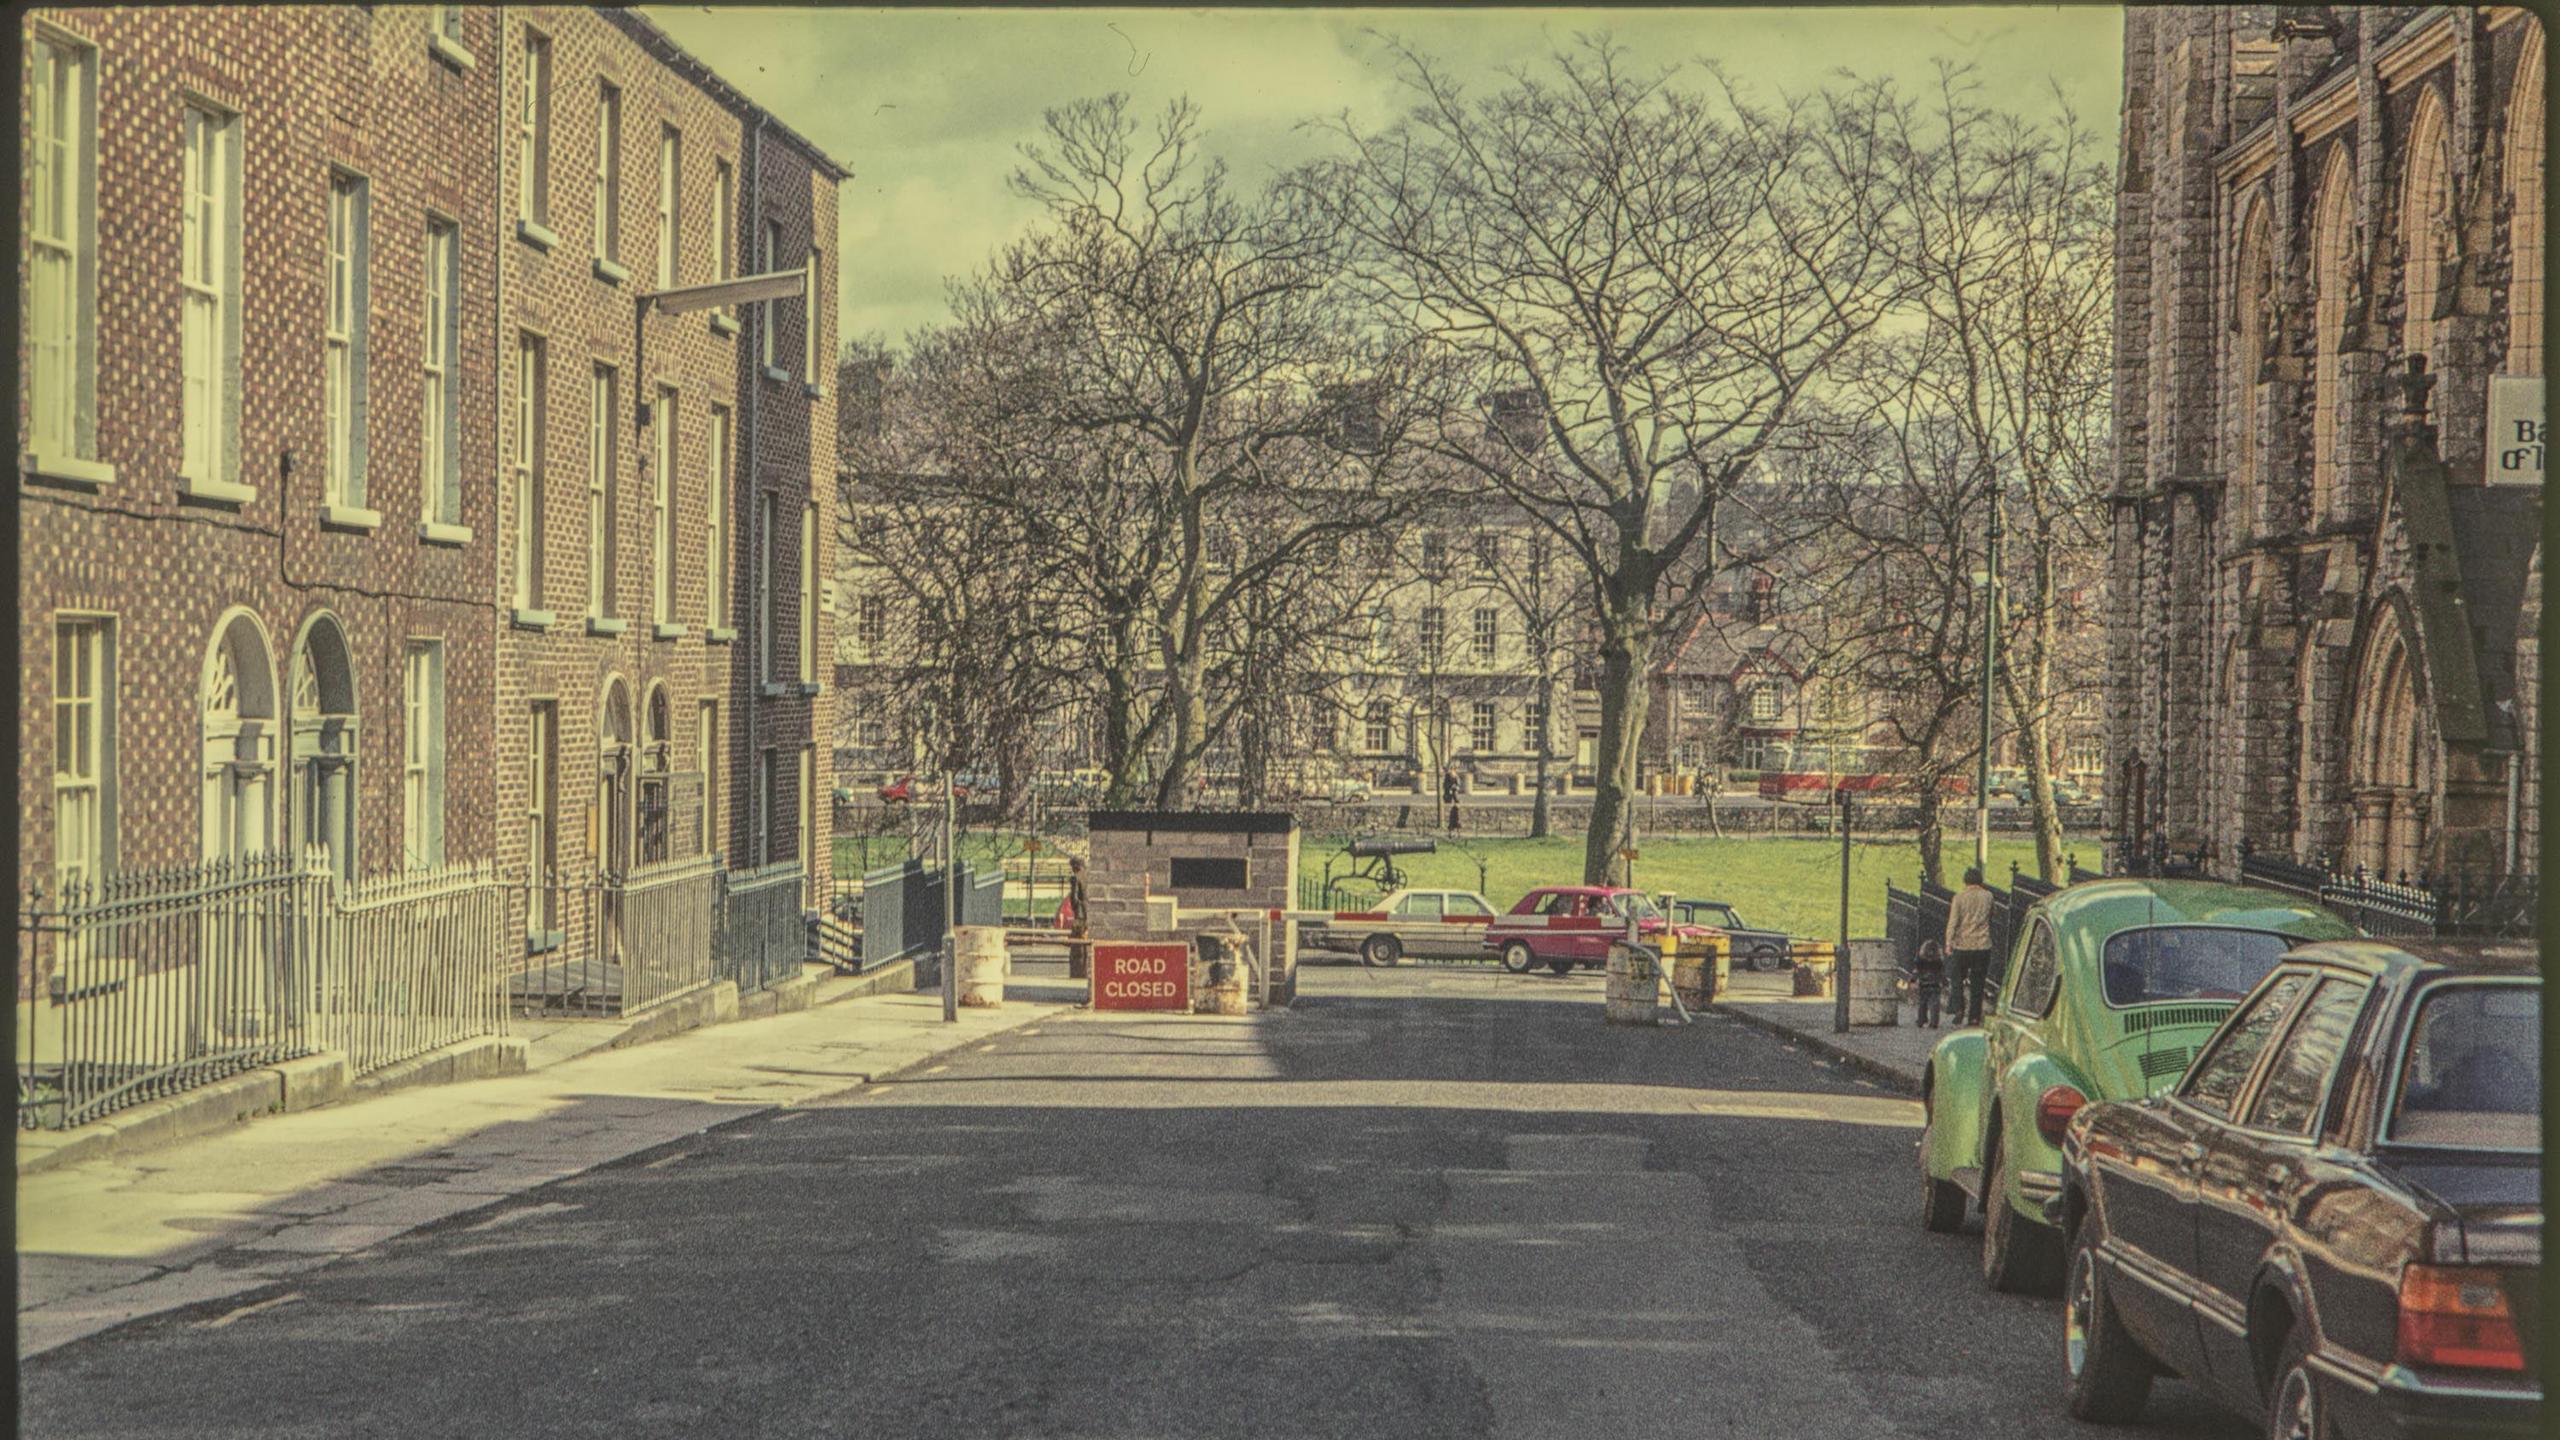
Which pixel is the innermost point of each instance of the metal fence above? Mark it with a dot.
(2485, 906)
(647, 941)
(761, 936)
(157, 981)
(902, 908)
(407, 963)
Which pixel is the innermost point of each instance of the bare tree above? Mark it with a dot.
(1649, 278)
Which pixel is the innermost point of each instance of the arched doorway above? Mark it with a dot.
(610, 839)
(237, 706)
(2390, 762)
(322, 809)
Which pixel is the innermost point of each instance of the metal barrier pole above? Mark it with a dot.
(1840, 956)
(950, 901)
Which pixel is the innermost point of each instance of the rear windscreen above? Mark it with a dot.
(2472, 1073)
(2189, 962)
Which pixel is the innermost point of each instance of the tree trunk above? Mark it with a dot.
(1120, 717)
(1931, 834)
(1622, 709)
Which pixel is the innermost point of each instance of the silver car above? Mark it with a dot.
(1426, 924)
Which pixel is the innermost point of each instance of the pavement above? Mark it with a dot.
(1427, 1202)
(107, 1241)
(1895, 1055)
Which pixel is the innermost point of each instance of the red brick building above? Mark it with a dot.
(365, 502)
(256, 437)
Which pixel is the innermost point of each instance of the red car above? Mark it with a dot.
(1561, 926)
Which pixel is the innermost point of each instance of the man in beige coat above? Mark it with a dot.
(1968, 944)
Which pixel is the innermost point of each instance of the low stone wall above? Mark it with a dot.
(1683, 816)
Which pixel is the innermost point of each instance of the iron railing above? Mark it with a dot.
(408, 963)
(762, 934)
(637, 941)
(2488, 906)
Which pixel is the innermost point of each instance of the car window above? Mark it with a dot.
(1468, 905)
(2472, 1073)
(1560, 903)
(1620, 906)
(2233, 1052)
(2299, 1074)
(2039, 973)
(1422, 905)
(2188, 962)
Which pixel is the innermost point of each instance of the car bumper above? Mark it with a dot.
(2408, 1406)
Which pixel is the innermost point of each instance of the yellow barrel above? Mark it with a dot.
(1814, 966)
(1696, 970)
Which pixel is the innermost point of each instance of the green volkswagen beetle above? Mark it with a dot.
(2111, 986)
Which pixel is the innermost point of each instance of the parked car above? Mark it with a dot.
(1433, 924)
(2334, 1222)
(1750, 948)
(2110, 988)
(1348, 791)
(907, 790)
(1562, 926)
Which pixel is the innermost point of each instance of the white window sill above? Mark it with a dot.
(814, 392)
(354, 518)
(215, 492)
(542, 943)
(774, 690)
(68, 470)
(720, 635)
(524, 619)
(609, 272)
(776, 374)
(437, 532)
(606, 625)
(807, 689)
(540, 237)
(449, 52)
(722, 324)
(666, 630)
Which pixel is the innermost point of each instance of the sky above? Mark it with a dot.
(928, 105)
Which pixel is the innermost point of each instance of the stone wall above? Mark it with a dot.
(1130, 856)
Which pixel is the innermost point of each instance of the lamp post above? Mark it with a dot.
(1990, 667)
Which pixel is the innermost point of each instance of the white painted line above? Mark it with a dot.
(244, 1311)
(936, 1069)
(512, 1216)
(788, 1116)
(664, 1161)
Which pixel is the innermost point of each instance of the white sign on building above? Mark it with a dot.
(2515, 429)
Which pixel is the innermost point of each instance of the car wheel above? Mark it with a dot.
(2294, 1409)
(2106, 1376)
(1561, 967)
(1380, 951)
(1518, 958)
(1767, 960)
(2019, 1256)
(1941, 1201)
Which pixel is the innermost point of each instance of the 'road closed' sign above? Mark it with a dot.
(1133, 975)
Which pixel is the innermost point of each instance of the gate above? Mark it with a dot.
(648, 940)
(762, 936)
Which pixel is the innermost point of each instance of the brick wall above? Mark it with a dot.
(1127, 862)
(349, 87)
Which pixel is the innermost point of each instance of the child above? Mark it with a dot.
(1928, 974)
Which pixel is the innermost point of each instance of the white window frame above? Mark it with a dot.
(524, 468)
(1483, 727)
(1378, 727)
(715, 555)
(209, 283)
(762, 818)
(670, 203)
(84, 705)
(61, 248)
(1431, 630)
(440, 378)
(871, 626)
(809, 581)
(706, 747)
(1767, 705)
(767, 510)
(542, 815)
(724, 240)
(1488, 632)
(345, 337)
(533, 134)
(602, 386)
(809, 816)
(608, 216)
(809, 319)
(662, 515)
(772, 243)
(422, 754)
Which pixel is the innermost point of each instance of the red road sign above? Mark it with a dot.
(1140, 975)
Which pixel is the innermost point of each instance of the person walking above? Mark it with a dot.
(1968, 944)
(1928, 979)
(1449, 795)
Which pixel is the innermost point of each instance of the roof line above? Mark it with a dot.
(647, 32)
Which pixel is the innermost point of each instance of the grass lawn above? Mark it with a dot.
(1786, 883)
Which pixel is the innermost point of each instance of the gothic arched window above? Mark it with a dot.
(2524, 177)
(2332, 256)
(2426, 226)
(2249, 358)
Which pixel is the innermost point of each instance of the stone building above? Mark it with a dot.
(257, 535)
(366, 500)
(664, 504)
(2319, 561)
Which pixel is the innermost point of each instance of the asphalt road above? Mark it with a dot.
(1430, 1202)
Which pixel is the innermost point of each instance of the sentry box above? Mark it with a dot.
(1179, 875)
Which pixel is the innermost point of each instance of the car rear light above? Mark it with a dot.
(2054, 1109)
(2457, 1318)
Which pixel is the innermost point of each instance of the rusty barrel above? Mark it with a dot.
(1814, 967)
(980, 961)
(1872, 970)
(1697, 968)
(1633, 993)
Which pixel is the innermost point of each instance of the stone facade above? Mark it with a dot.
(2307, 650)
(1131, 856)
